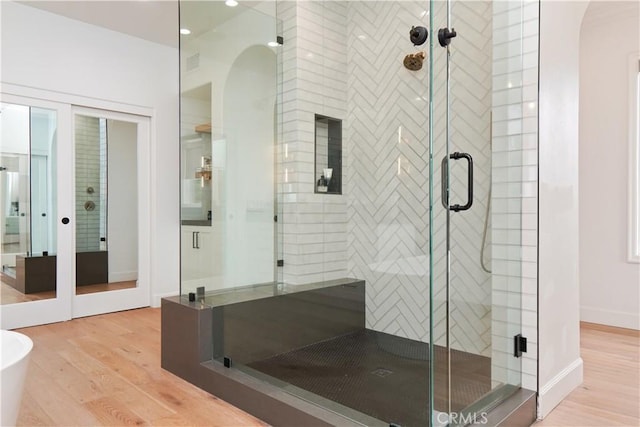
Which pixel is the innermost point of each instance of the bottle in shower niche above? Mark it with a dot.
(322, 184)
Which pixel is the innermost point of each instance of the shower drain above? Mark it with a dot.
(381, 372)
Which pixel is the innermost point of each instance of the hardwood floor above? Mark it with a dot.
(9, 295)
(105, 370)
(610, 393)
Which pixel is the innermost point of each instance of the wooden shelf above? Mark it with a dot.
(204, 128)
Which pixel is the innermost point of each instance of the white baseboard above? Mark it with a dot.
(156, 298)
(619, 319)
(559, 387)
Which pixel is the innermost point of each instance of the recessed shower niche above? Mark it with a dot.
(328, 155)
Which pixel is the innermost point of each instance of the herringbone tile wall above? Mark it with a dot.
(470, 121)
(344, 60)
(388, 207)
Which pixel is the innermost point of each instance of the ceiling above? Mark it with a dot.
(153, 20)
(156, 21)
(202, 16)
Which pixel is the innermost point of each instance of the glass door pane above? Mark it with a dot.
(34, 241)
(27, 180)
(228, 55)
(477, 63)
(106, 204)
(111, 193)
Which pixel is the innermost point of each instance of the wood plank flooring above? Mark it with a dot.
(9, 295)
(105, 370)
(610, 393)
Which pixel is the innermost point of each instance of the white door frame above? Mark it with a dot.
(140, 296)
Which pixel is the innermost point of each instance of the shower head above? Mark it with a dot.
(414, 61)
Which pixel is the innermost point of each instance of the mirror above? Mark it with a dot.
(106, 204)
(27, 180)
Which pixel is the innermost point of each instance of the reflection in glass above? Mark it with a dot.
(106, 204)
(27, 191)
(228, 100)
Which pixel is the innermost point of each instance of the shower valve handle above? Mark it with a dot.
(445, 35)
(418, 35)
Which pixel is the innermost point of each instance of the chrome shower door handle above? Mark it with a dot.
(445, 187)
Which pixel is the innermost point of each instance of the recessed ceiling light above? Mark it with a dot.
(273, 44)
(231, 3)
(185, 31)
(362, 37)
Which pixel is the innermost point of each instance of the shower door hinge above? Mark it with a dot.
(280, 40)
(275, 218)
(280, 263)
(519, 345)
(226, 361)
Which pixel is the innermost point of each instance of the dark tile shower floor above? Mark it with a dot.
(381, 375)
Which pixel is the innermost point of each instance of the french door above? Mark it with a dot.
(75, 191)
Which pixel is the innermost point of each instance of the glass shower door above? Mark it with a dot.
(476, 206)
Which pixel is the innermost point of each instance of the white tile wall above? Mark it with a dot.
(514, 199)
(313, 79)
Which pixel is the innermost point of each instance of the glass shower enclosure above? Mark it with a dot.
(352, 196)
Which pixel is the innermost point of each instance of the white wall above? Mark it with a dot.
(122, 203)
(249, 107)
(14, 129)
(560, 365)
(50, 52)
(609, 284)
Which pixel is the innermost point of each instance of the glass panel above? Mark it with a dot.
(484, 174)
(106, 204)
(28, 192)
(381, 309)
(228, 104)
